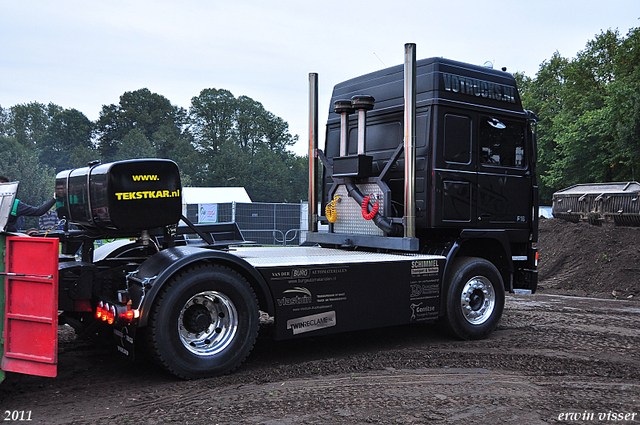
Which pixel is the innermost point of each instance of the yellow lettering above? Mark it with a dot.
(147, 194)
(145, 177)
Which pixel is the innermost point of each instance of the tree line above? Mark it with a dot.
(589, 111)
(222, 140)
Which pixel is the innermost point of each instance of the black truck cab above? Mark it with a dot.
(475, 182)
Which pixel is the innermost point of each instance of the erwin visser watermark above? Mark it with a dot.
(598, 416)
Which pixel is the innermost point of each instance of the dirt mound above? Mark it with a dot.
(585, 260)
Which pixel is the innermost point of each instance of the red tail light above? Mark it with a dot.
(99, 310)
(129, 315)
(111, 315)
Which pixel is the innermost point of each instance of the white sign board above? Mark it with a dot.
(207, 213)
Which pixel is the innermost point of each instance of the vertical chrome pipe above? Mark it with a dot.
(362, 104)
(343, 107)
(362, 128)
(344, 133)
(313, 152)
(409, 140)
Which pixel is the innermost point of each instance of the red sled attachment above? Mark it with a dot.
(31, 314)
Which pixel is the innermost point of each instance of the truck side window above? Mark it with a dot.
(501, 143)
(457, 139)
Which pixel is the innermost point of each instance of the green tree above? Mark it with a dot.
(151, 114)
(624, 103)
(220, 168)
(585, 149)
(240, 140)
(4, 121)
(29, 123)
(589, 108)
(134, 146)
(543, 95)
(250, 123)
(277, 134)
(212, 116)
(68, 141)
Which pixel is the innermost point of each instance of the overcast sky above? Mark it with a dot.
(85, 54)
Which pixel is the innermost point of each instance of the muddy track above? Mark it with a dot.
(550, 355)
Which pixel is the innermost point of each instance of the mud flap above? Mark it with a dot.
(31, 312)
(124, 338)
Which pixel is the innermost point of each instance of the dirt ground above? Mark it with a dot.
(553, 359)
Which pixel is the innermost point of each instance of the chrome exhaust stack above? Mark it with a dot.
(409, 219)
(313, 152)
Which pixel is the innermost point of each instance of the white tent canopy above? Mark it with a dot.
(214, 195)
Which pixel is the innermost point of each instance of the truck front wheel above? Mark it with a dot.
(204, 322)
(475, 298)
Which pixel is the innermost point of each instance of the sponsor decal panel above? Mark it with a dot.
(424, 290)
(425, 268)
(295, 296)
(420, 311)
(298, 297)
(302, 276)
(312, 323)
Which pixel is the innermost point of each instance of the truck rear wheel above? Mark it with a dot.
(475, 298)
(204, 322)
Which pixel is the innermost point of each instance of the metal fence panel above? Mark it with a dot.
(263, 223)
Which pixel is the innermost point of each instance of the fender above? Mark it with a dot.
(159, 268)
(452, 251)
(498, 235)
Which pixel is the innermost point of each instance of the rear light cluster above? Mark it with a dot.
(111, 313)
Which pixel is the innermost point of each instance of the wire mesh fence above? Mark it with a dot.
(263, 223)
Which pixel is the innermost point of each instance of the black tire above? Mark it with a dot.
(204, 322)
(475, 298)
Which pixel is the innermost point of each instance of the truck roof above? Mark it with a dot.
(438, 80)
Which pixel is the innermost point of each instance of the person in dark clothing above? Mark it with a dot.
(21, 209)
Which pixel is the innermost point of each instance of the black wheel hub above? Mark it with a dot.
(197, 319)
(477, 298)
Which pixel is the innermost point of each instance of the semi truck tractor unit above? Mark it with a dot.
(427, 187)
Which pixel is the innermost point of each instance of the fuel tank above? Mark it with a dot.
(121, 196)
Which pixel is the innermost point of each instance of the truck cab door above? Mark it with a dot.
(504, 176)
(31, 311)
(455, 171)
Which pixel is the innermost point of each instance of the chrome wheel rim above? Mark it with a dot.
(478, 300)
(207, 324)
